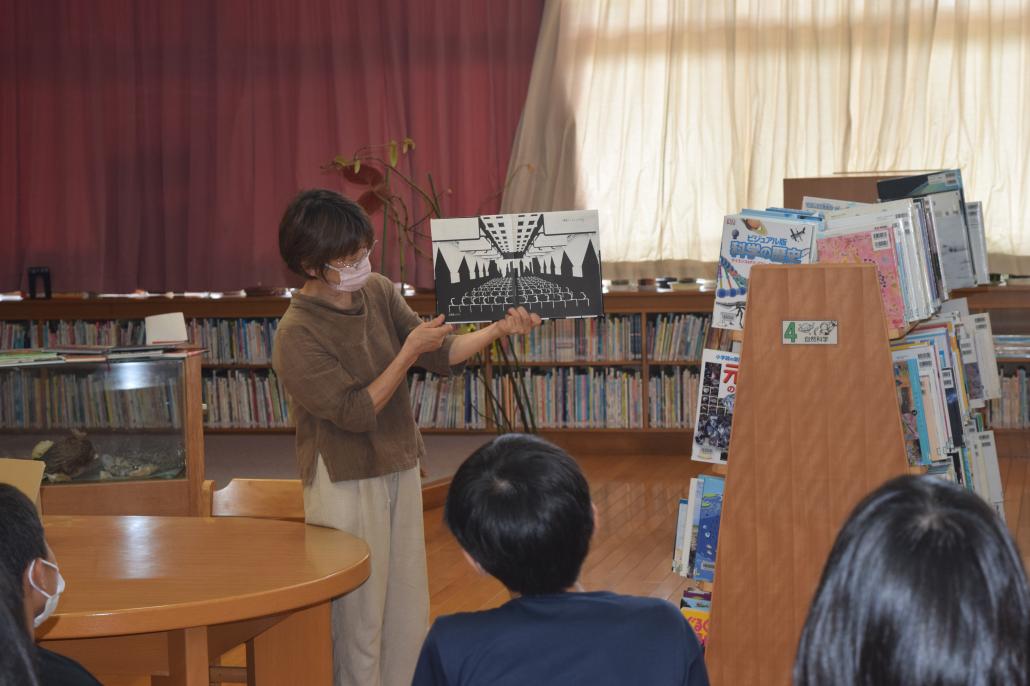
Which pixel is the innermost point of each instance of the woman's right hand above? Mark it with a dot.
(427, 336)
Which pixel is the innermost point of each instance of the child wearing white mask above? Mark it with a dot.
(343, 350)
(40, 578)
(30, 564)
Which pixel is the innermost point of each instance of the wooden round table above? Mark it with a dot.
(198, 586)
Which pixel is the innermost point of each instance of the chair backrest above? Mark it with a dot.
(259, 498)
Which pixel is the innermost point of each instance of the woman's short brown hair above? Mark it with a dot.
(319, 226)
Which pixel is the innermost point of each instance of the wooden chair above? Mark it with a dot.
(258, 498)
(261, 499)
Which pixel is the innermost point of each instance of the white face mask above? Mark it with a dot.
(351, 278)
(51, 599)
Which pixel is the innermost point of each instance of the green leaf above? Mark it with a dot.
(357, 165)
(393, 153)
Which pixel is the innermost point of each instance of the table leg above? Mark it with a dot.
(297, 650)
(187, 659)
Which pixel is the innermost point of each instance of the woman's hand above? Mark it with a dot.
(427, 336)
(517, 321)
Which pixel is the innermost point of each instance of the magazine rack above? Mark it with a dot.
(816, 427)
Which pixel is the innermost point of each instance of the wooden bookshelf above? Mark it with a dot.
(638, 304)
(1009, 307)
(803, 452)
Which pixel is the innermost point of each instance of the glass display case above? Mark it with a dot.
(108, 422)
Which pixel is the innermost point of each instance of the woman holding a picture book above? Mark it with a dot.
(343, 350)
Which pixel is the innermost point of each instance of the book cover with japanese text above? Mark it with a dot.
(716, 395)
(708, 529)
(756, 237)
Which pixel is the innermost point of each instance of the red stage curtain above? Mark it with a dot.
(155, 144)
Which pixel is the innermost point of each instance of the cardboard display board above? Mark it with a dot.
(816, 427)
(857, 187)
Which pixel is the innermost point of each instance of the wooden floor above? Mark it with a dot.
(637, 499)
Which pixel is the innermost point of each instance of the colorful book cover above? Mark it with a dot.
(875, 246)
(941, 335)
(754, 237)
(913, 416)
(708, 530)
(698, 618)
(715, 399)
(931, 385)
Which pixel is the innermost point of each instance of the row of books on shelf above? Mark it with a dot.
(448, 402)
(1012, 409)
(694, 552)
(676, 336)
(27, 334)
(560, 398)
(458, 402)
(697, 522)
(234, 341)
(18, 334)
(697, 528)
(226, 341)
(92, 332)
(31, 401)
(672, 393)
(924, 239)
(670, 337)
(576, 398)
(945, 372)
(614, 337)
(1014, 346)
(242, 398)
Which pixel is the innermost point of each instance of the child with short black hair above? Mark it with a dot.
(520, 508)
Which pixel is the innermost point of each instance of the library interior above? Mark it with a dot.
(445, 342)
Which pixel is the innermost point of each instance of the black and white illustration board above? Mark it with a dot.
(548, 262)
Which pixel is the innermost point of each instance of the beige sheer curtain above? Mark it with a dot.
(667, 114)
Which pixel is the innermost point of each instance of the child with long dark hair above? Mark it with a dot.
(923, 586)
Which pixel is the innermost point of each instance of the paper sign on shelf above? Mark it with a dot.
(165, 328)
(809, 332)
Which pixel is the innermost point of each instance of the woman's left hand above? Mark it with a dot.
(518, 321)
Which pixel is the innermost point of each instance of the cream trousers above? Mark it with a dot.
(379, 627)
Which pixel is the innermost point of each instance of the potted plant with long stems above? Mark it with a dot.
(374, 168)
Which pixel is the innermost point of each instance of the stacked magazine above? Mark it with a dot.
(922, 236)
(892, 237)
(925, 241)
(944, 370)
